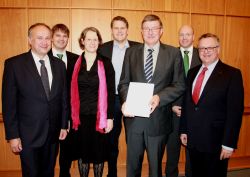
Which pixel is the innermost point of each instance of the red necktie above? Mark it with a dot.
(197, 87)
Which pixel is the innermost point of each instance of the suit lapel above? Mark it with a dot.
(211, 80)
(54, 76)
(31, 67)
(140, 60)
(195, 58)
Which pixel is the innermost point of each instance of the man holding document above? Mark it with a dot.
(146, 64)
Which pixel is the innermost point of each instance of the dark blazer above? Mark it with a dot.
(195, 58)
(194, 62)
(106, 49)
(27, 113)
(216, 119)
(71, 60)
(168, 78)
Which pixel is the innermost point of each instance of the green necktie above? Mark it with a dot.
(60, 56)
(186, 61)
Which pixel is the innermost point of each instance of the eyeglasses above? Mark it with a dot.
(185, 35)
(208, 49)
(154, 29)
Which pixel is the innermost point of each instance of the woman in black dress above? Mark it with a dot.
(92, 102)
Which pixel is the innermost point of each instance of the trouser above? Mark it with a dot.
(113, 137)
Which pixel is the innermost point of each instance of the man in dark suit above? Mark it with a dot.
(35, 109)
(115, 50)
(191, 59)
(167, 75)
(212, 111)
(60, 38)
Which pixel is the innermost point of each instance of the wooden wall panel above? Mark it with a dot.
(171, 24)
(171, 5)
(13, 3)
(208, 7)
(134, 18)
(132, 4)
(48, 3)
(237, 47)
(85, 18)
(238, 8)
(50, 17)
(8, 160)
(103, 4)
(207, 23)
(13, 35)
(221, 17)
(243, 143)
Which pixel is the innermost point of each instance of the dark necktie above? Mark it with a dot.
(186, 61)
(60, 56)
(45, 78)
(148, 68)
(197, 86)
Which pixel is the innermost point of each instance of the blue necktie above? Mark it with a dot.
(148, 68)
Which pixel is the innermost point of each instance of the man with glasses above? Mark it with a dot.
(115, 50)
(212, 111)
(161, 65)
(191, 59)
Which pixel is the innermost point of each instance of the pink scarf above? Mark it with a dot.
(101, 121)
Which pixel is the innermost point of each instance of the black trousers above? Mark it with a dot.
(113, 137)
(39, 161)
(173, 149)
(68, 152)
(207, 164)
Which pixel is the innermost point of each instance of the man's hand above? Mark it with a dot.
(63, 134)
(183, 138)
(123, 111)
(15, 145)
(110, 124)
(225, 154)
(155, 101)
(177, 110)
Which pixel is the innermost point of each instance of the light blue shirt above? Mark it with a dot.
(117, 61)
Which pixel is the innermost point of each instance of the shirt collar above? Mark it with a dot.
(55, 52)
(190, 49)
(36, 58)
(155, 47)
(117, 44)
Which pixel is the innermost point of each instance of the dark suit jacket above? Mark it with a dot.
(107, 48)
(216, 119)
(71, 60)
(194, 62)
(27, 113)
(168, 78)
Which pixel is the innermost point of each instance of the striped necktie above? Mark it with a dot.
(148, 68)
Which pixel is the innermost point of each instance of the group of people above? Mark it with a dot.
(52, 97)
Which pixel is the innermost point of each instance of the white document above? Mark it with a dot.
(138, 99)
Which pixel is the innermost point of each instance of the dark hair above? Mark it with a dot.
(119, 18)
(207, 35)
(83, 36)
(35, 25)
(60, 27)
(151, 17)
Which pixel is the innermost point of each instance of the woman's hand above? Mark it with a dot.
(110, 123)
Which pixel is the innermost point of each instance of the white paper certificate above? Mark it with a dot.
(138, 99)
